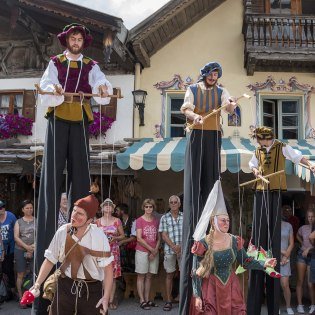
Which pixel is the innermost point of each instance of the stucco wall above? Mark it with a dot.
(216, 37)
(122, 128)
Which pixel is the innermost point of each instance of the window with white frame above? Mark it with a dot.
(18, 102)
(175, 119)
(280, 6)
(11, 102)
(284, 116)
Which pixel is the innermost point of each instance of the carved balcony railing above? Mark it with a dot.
(279, 43)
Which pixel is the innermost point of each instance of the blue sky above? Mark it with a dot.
(131, 11)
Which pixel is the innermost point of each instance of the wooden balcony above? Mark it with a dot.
(279, 43)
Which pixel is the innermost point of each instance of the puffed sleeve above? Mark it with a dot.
(188, 101)
(47, 82)
(55, 251)
(198, 250)
(97, 78)
(246, 261)
(253, 163)
(291, 154)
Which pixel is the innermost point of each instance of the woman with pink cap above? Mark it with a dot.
(112, 228)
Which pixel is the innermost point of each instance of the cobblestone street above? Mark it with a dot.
(127, 307)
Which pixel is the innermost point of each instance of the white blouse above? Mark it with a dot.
(94, 239)
(290, 154)
(50, 78)
(189, 98)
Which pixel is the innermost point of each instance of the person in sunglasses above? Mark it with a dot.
(147, 252)
(171, 226)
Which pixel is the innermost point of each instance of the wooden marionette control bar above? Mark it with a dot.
(263, 178)
(189, 127)
(118, 95)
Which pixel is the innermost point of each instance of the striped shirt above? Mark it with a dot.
(173, 227)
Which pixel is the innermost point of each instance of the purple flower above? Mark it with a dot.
(12, 125)
(100, 125)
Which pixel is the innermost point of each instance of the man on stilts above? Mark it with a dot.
(67, 138)
(268, 158)
(202, 165)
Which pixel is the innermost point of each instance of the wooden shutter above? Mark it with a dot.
(258, 6)
(29, 102)
(296, 7)
(110, 110)
(267, 6)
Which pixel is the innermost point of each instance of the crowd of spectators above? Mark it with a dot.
(297, 253)
(140, 244)
(16, 249)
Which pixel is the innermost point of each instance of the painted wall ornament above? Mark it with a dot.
(235, 119)
(176, 84)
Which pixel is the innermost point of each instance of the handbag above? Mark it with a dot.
(131, 245)
(50, 285)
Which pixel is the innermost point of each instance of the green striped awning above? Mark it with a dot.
(169, 153)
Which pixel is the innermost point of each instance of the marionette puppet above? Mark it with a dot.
(268, 165)
(216, 288)
(64, 86)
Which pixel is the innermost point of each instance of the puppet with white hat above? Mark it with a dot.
(216, 287)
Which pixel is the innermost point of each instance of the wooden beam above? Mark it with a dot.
(97, 169)
(162, 33)
(9, 168)
(147, 45)
(173, 25)
(183, 16)
(162, 16)
(119, 49)
(142, 55)
(70, 11)
(36, 31)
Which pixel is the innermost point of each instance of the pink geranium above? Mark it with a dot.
(12, 125)
(100, 125)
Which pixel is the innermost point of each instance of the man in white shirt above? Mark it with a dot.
(171, 226)
(63, 211)
(87, 272)
(67, 137)
(269, 157)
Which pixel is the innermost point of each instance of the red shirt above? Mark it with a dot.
(149, 234)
